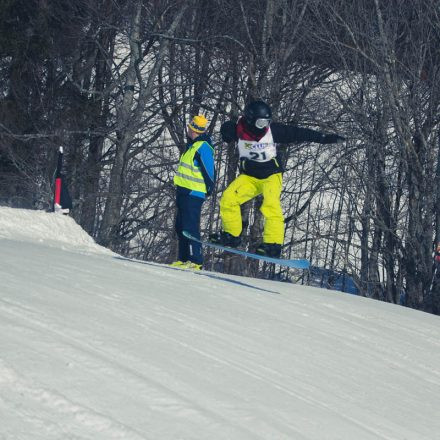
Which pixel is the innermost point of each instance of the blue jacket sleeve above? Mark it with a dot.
(204, 158)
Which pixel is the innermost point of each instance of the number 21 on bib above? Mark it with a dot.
(261, 151)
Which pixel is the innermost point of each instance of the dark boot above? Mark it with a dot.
(225, 239)
(269, 250)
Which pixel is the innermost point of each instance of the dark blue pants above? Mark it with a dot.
(188, 219)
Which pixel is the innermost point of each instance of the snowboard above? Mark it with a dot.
(296, 264)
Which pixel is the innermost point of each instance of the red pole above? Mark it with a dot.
(58, 191)
(437, 253)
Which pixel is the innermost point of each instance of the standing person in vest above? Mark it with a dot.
(194, 181)
(260, 173)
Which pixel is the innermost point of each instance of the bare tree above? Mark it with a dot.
(128, 119)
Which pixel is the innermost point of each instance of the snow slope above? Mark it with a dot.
(93, 346)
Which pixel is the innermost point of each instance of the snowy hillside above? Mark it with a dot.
(96, 347)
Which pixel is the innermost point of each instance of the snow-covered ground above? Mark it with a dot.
(93, 346)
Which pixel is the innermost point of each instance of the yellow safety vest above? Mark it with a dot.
(188, 175)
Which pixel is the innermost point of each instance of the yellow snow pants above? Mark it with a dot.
(245, 188)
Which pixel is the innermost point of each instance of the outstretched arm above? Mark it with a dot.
(287, 134)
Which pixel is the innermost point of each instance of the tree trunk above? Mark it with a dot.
(128, 122)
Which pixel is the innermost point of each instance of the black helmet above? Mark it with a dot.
(257, 114)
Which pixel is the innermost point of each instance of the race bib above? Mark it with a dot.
(261, 151)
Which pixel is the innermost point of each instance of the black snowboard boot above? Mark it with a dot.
(269, 250)
(225, 239)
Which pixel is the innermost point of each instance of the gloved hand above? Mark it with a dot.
(332, 139)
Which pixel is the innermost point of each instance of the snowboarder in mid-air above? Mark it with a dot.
(257, 137)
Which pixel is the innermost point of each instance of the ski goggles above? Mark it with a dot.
(262, 123)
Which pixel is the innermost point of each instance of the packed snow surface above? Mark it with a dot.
(97, 347)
